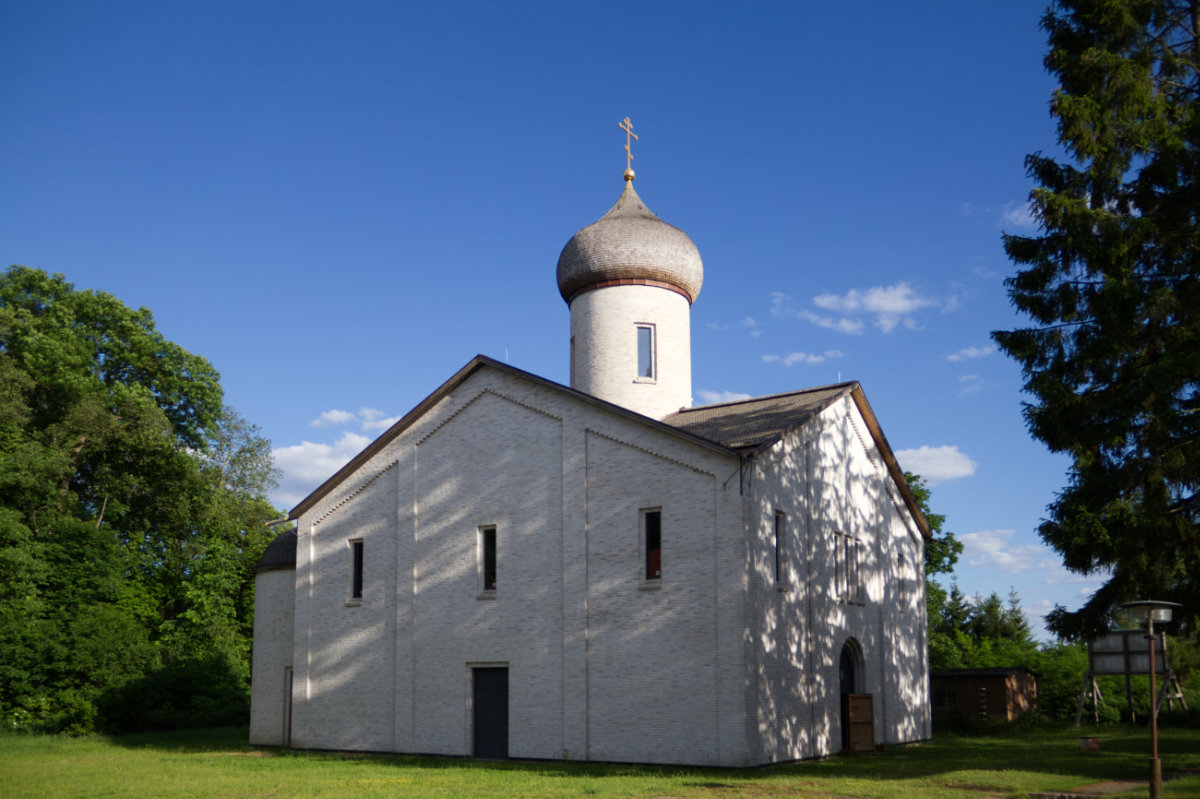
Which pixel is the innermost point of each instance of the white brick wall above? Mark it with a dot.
(605, 357)
(712, 665)
(826, 477)
(274, 607)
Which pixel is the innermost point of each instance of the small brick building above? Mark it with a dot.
(519, 568)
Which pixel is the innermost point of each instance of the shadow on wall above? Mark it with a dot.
(391, 671)
(842, 580)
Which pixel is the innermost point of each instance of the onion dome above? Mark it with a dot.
(629, 245)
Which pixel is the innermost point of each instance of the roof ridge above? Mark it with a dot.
(846, 384)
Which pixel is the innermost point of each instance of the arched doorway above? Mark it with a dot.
(858, 722)
(848, 668)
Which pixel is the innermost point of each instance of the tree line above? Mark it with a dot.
(133, 508)
(980, 632)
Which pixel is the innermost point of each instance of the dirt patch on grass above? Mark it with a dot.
(251, 753)
(807, 788)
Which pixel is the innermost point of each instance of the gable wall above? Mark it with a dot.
(828, 478)
(598, 668)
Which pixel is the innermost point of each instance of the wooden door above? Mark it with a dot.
(859, 712)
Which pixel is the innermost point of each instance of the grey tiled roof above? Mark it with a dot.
(279, 554)
(753, 423)
(630, 243)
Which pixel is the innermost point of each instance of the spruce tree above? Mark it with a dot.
(1111, 285)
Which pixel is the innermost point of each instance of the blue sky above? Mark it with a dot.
(339, 204)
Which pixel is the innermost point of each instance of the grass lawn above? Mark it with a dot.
(219, 763)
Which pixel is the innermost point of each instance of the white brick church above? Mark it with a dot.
(523, 569)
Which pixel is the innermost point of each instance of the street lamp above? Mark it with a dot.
(1154, 611)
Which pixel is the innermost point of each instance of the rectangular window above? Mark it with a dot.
(854, 570)
(487, 548)
(356, 569)
(839, 566)
(652, 534)
(645, 348)
(780, 528)
(848, 585)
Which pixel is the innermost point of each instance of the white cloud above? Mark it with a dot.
(806, 358)
(853, 327)
(970, 353)
(890, 305)
(714, 397)
(1020, 216)
(970, 384)
(752, 323)
(781, 305)
(936, 464)
(748, 322)
(306, 465)
(332, 418)
(374, 419)
(993, 549)
(369, 415)
(369, 419)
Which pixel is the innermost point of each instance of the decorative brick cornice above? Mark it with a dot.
(868, 448)
(330, 511)
(475, 399)
(648, 451)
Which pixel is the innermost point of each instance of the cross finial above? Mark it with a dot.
(627, 126)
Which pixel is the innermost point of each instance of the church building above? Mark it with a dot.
(600, 571)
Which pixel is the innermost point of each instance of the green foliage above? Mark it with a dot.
(988, 632)
(1112, 288)
(131, 511)
(943, 549)
(983, 632)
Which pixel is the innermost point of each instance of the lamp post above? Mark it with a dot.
(1153, 610)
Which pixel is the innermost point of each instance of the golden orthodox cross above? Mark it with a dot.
(627, 126)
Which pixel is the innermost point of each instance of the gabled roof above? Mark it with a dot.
(459, 377)
(750, 425)
(753, 425)
(741, 429)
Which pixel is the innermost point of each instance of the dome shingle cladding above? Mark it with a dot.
(279, 554)
(630, 243)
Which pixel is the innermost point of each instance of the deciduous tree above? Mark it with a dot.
(131, 510)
